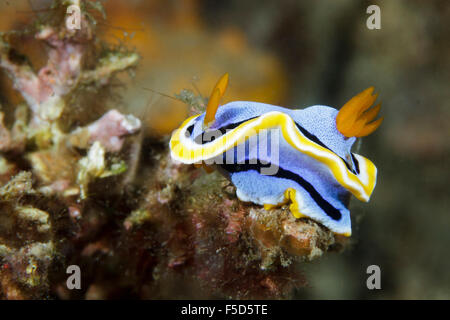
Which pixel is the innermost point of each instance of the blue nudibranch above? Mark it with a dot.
(309, 154)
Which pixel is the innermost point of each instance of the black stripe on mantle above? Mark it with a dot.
(199, 139)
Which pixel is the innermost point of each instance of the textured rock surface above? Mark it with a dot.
(98, 192)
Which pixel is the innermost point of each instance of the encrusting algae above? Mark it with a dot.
(97, 192)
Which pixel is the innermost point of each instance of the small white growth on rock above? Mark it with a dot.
(42, 251)
(92, 165)
(4, 250)
(35, 215)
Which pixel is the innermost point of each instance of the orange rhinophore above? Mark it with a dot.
(354, 118)
(214, 99)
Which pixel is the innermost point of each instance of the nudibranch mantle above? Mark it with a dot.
(315, 169)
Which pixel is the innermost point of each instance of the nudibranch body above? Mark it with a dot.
(275, 155)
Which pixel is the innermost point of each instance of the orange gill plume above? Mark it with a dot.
(214, 99)
(354, 118)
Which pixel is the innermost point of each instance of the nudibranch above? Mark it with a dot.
(275, 155)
